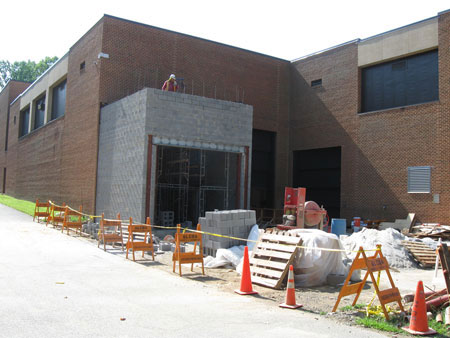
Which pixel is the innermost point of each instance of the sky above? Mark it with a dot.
(31, 30)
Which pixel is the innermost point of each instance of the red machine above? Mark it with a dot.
(298, 213)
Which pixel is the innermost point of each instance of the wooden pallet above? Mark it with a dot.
(271, 258)
(421, 252)
(444, 258)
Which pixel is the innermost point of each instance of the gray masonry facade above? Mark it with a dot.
(172, 119)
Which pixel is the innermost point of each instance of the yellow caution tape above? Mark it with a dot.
(219, 235)
(81, 213)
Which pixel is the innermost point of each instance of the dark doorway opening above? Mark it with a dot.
(263, 169)
(319, 171)
(193, 181)
(4, 181)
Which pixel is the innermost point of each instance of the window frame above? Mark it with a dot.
(21, 113)
(386, 85)
(53, 116)
(40, 98)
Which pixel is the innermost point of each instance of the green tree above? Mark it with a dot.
(27, 71)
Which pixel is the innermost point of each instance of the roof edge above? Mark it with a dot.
(195, 37)
(39, 78)
(326, 50)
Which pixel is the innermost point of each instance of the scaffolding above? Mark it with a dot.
(191, 182)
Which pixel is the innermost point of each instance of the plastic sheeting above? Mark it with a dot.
(312, 266)
(233, 255)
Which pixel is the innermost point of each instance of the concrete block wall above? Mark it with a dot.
(121, 174)
(123, 142)
(196, 118)
(234, 223)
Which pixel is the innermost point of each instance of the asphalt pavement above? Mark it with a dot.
(54, 285)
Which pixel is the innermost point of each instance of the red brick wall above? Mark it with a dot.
(377, 147)
(141, 55)
(58, 161)
(80, 137)
(7, 95)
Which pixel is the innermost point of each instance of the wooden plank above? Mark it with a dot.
(277, 247)
(280, 238)
(359, 264)
(444, 257)
(285, 271)
(389, 295)
(267, 263)
(264, 281)
(377, 264)
(351, 289)
(266, 272)
(271, 253)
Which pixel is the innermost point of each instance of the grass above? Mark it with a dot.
(26, 207)
(381, 324)
(396, 323)
(356, 307)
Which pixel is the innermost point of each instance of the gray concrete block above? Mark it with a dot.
(235, 214)
(249, 221)
(209, 215)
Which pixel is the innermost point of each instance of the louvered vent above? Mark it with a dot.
(419, 179)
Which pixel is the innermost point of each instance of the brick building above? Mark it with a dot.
(348, 123)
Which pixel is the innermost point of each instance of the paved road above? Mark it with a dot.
(54, 285)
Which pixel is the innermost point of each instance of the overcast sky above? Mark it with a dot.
(281, 28)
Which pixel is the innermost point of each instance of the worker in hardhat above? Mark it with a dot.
(170, 85)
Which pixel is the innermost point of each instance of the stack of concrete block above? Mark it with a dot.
(235, 223)
(91, 228)
(167, 218)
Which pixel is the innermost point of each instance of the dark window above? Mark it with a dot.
(59, 100)
(39, 112)
(403, 82)
(82, 67)
(24, 121)
(316, 83)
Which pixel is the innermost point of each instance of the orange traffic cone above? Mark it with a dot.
(246, 279)
(419, 321)
(290, 292)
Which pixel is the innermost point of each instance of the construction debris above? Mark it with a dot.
(399, 224)
(432, 230)
(424, 254)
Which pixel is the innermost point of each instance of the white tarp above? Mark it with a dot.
(312, 266)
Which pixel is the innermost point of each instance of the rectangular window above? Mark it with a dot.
(316, 83)
(402, 82)
(419, 179)
(59, 100)
(24, 121)
(39, 112)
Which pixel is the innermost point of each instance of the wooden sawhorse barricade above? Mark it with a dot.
(144, 245)
(373, 264)
(39, 213)
(188, 257)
